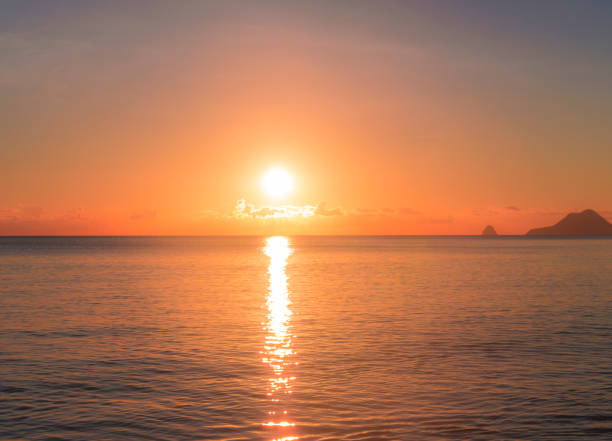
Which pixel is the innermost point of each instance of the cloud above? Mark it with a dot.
(76, 214)
(22, 212)
(512, 208)
(322, 210)
(367, 210)
(247, 210)
(33, 220)
(408, 211)
(244, 209)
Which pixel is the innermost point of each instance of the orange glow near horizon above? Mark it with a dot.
(389, 129)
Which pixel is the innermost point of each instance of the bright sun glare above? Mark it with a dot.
(277, 182)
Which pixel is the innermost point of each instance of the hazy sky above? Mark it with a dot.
(433, 117)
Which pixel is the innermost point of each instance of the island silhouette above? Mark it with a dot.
(489, 231)
(585, 223)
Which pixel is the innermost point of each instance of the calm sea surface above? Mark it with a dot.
(310, 338)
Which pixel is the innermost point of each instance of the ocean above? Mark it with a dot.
(309, 338)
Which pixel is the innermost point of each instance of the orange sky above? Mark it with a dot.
(407, 119)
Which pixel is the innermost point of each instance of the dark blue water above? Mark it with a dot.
(311, 338)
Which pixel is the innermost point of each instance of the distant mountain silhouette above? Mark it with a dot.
(489, 231)
(587, 222)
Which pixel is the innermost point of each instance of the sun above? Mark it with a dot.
(277, 182)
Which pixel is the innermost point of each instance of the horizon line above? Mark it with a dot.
(16, 236)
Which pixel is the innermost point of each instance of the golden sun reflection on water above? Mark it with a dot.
(277, 352)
